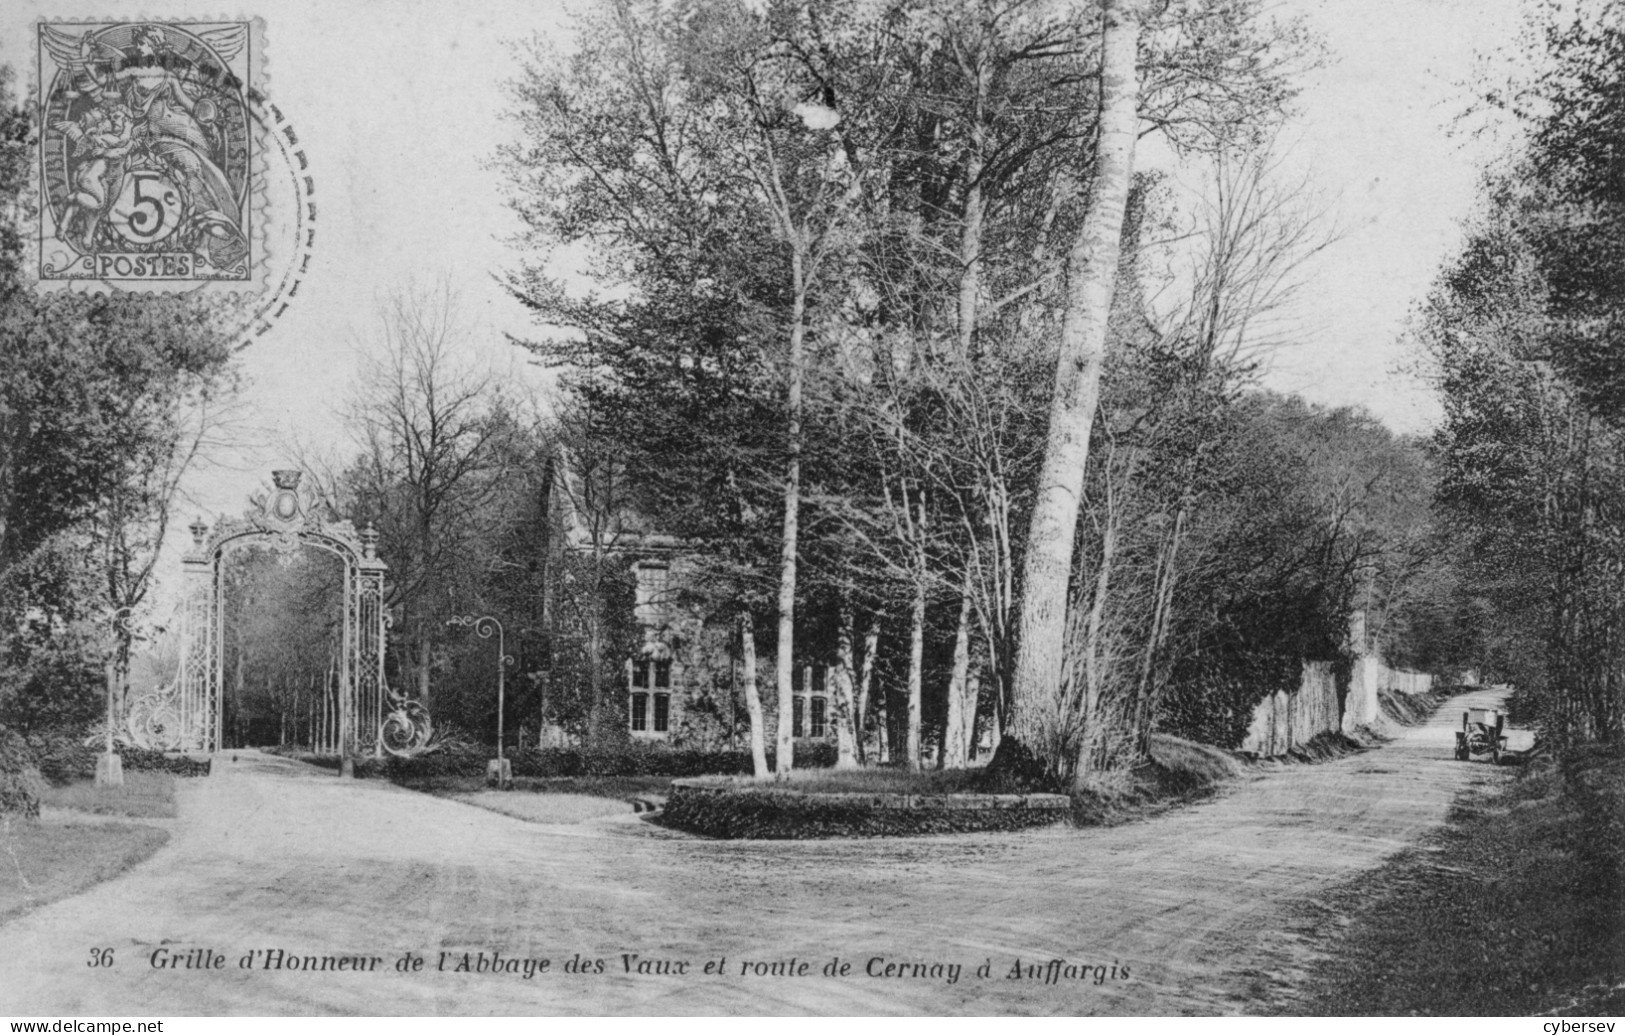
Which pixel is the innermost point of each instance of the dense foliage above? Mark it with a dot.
(104, 399)
(1524, 330)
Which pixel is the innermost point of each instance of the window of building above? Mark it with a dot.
(817, 709)
(651, 678)
(799, 728)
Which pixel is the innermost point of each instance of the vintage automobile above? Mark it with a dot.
(1481, 734)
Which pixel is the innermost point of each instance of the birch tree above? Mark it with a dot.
(1038, 722)
(1207, 81)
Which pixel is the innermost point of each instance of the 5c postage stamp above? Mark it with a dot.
(149, 155)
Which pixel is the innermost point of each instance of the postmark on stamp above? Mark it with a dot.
(149, 152)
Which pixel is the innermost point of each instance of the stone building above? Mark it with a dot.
(681, 676)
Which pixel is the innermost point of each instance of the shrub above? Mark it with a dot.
(146, 760)
(20, 783)
(810, 754)
(62, 757)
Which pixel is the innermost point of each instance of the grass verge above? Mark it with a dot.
(545, 808)
(1180, 772)
(1413, 709)
(145, 795)
(41, 863)
(1513, 908)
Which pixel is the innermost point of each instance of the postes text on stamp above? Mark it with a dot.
(149, 163)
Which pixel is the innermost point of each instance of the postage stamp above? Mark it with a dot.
(149, 155)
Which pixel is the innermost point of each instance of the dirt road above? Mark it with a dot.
(270, 856)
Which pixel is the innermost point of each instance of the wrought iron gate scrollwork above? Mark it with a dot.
(406, 730)
(187, 715)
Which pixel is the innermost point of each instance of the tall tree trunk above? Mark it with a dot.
(866, 682)
(425, 655)
(883, 723)
(792, 523)
(846, 755)
(1153, 675)
(236, 694)
(1038, 719)
(328, 686)
(595, 680)
(956, 749)
(916, 673)
(753, 695)
(970, 238)
(1095, 666)
(973, 698)
(956, 734)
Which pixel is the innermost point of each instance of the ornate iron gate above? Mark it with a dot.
(188, 714)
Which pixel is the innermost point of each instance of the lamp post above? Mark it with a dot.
(499, 770)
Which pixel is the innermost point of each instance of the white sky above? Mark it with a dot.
(1375, 136)
(398, 106)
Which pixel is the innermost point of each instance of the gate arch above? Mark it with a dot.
(188, 715)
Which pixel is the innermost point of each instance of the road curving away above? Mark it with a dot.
(322, 886)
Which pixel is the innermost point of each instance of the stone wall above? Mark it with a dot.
(1408, 682)
(1361, 707)
(1286, 720)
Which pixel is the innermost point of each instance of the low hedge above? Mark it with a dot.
(63, 758)
(469, 760)
(786, 815)
(158, 762)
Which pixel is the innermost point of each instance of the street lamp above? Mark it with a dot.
(499, 770)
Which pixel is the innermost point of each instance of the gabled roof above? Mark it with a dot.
(600, 503)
